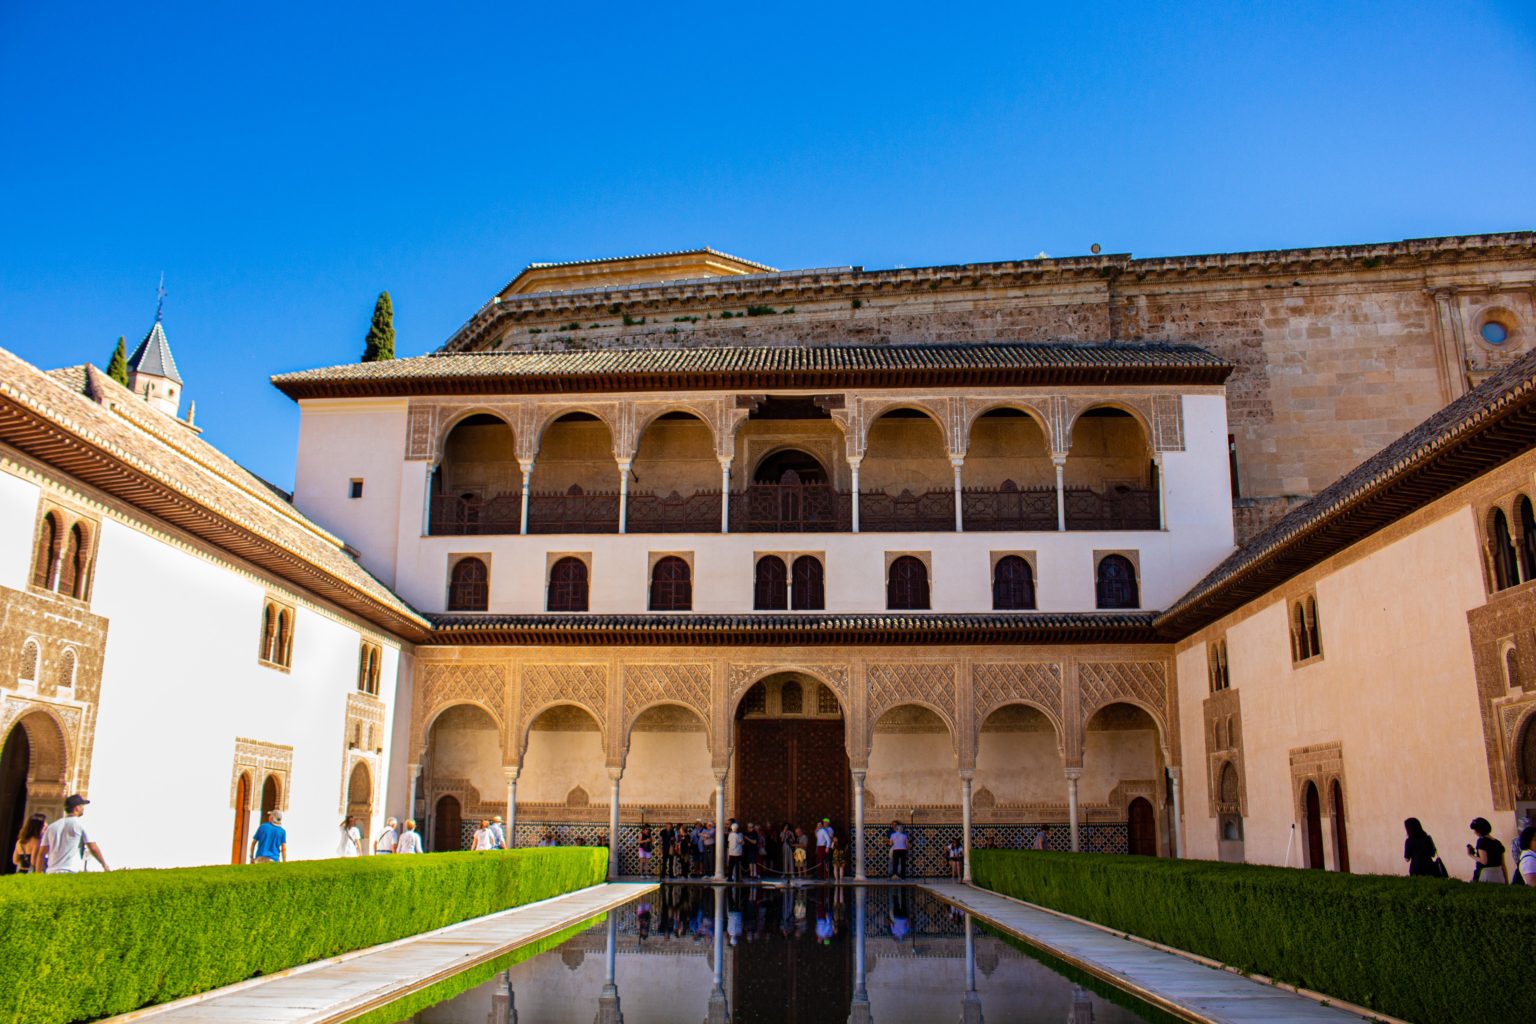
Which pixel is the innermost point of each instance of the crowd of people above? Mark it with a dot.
(1486, 853)
(754, 852)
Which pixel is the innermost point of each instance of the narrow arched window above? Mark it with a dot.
(1013, 584)
(1505, 572)
(791, 699)
(1299, 633)
(31, 656)
(568, 585)
(1512, 668)
(65, 678)
(809, 591)
(283, 648)
(1117, 583)
(468, 586)
(671, 585)
(770, 584)
(907, 584)
(373, 671)
(47, 557)
(1527, 538)
(72, 567)
(1314, 629)
(268, 631)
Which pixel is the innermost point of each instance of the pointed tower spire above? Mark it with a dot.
(151, 370)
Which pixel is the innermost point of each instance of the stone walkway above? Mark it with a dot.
(1171, 982)
(344, 986)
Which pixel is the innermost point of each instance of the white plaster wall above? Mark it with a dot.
(465, 744)
(1021, 767)
(181, 681)
(558, 760)
(1395, 687)
(18, 524)
(665, 769)
(913, 768)
(1115, 755)
(340, 440)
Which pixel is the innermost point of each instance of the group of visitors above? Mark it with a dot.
(59, 848)
(1486, 853)
(688, 851)
(491, 835)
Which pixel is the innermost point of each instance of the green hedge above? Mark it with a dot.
(1422, 949)
(77, 947)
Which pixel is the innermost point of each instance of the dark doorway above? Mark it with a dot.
(242, 819)
(15, 759)
(269, 797)
(791, 762)
(1143, 828)
(1340, 836)
(1314, 827)
(447, 833)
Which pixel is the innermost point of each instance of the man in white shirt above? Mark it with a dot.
(898, 851)
(823, 846)
(65, 842)
(498, 833)
(389, 838)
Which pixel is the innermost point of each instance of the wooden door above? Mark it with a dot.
(1143, 828)
(242, 837)
(15, 762)
(1314, 828)
(446, 831)
(792, 770)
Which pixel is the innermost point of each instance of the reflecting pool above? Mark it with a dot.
(886, 954)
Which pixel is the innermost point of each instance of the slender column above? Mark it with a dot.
(613, 822)
(503, 1001)
(1073, 774)
(853, 465)
(858, 830)
(859, 1012)
(719, 1012)
(1162, 492)
(1178, 814)
(410, 808)
(957, 462)
(511, 807)
(1061, 491)
(970, 1005)
(527, 468)
(725, 495)
(720, 833)
(608, 1011)
(426, 501)
(624, 465)
(967, 777)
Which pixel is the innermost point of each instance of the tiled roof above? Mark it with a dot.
(85, 424)
(1481, 430)
(153, 355)
(703, 251)
(788, 365)
(810, 628)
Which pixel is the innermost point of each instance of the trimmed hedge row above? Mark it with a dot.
(1422, 949)
(77, 947)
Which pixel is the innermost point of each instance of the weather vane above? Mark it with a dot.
(160, 300)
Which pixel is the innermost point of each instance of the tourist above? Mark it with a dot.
(389, 839)
(270, 844)
(644, 849)
(1526, 865)
(498, 834)
(668, 838)
(839, 859)
(484, 838)
(823, 844)
(1488, 852)
(409, 842)
(1040, 837)
(65, 842)
(1516, 847)
(955, 854)
(24, 857)
(1419, 851)
(351, 844)
(707, 849)
(802, 852)
(733, 850)
(787, 851)
(898, 841)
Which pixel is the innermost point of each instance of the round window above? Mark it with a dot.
(1495, 333)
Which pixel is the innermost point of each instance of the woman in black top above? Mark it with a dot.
(1488, 852)
(1419, 849)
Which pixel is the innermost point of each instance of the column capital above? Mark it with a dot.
(624, 461)
(957, 460)
(1073, 774)
(511, 772)
(859, 775)
(725, 461)
(1059, 458)
(720, 778)
(854, 460)
(615, 772)
(967, 774)
(526, 465)
(1173, 771)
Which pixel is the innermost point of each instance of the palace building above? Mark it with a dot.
(1218, 556)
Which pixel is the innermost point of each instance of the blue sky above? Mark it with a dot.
(283, 163)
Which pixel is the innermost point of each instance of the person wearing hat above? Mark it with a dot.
(270, 844)
(66, 841)
(498, 833)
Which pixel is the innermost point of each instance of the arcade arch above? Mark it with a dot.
(1123, 758)
(1019, 762)
(477, 485)
(1010, 480)
(674, 479)
(907, 480)
(463, 760)
(575, 483)
(667, 763)
(1110, 474)
(360, 800)
(791, 752)
(564, 760)
(33, 773)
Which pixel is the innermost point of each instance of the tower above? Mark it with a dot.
(151, 370)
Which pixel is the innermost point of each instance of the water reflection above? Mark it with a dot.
(811, 955)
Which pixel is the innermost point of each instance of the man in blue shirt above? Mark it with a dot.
(271, 842)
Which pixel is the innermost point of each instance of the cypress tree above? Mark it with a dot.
(117, 368)
(381, 333)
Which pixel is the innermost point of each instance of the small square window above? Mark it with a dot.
(357, 488)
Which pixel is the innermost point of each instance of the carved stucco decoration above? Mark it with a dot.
(362, 743)
(742, 676)
(262, 759)
(480, 683)
(1167, 423)
(994, 684)
(1143, 683)
(59, 755)
(928, 683)
(648, 685)
(1039, 409)
(1515, 717)
(585, 685)
(1320, 764)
